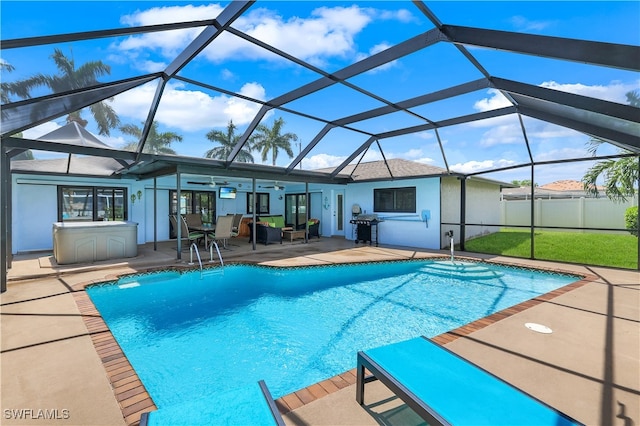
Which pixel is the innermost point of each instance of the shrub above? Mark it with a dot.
(631, 220)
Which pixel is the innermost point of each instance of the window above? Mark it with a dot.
(90, 203)
(395, 200)
(262, 204)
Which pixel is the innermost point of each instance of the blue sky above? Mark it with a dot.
(330, 36)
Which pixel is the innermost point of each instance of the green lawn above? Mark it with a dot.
(620, 251)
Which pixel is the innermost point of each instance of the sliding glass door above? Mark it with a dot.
(295, 207)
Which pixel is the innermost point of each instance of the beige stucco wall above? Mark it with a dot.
(482, 208)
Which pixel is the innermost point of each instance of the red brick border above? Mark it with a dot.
(309, 394)
(134, 399)
(129, 391)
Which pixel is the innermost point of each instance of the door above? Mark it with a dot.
(295, 207)
(338, 214)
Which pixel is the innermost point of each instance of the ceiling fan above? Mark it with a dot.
(275, 186)
(211, 184)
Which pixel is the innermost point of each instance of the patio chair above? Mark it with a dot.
(248, 405)
(223, 229)
(314, 228)
(190, 236)
(194, 220)
(444, 388)
(235, 228)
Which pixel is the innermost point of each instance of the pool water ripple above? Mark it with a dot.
(187, 336)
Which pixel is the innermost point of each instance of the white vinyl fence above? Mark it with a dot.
(574, 213)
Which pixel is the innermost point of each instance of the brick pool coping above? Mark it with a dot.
(134, 399)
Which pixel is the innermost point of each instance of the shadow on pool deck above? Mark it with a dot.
(589, 367)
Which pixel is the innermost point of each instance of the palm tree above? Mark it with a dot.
(227, 143)
(621, 175)
(70, 78)
(157, 143)
(270, 140)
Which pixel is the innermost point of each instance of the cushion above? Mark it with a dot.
(278, 221)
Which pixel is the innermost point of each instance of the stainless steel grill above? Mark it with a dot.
(367, 228)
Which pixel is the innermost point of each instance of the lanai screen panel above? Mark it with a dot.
(234, 64)
(414, 74)
(421, 147)
(484, 145)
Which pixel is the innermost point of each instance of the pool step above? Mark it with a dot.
(247, 405)
(462, 270)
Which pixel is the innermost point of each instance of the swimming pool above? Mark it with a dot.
(187, 335)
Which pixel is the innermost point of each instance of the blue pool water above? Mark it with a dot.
(188, 336)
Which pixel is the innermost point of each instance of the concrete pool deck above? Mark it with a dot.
(54, 373)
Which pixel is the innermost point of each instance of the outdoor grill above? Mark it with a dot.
(366, 227)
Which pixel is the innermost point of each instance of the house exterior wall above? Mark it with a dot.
(403, 229)
(482, 207)
(35, 208)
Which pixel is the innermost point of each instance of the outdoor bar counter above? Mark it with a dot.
(81, 242)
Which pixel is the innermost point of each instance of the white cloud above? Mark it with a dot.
(495, 100)
(322, 161)
(402, 15)
(502, 135)
(227, 75)
(559, 153)
(377, 49)
(424, 135)
(520, 23)
(327, 32)
(475, 166)
(416, 154)
(614, 92)
(190, 110)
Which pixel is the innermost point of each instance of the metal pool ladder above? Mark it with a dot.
(195, 246)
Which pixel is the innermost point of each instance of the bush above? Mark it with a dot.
(631, 220)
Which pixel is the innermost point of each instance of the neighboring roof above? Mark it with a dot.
(557, 189)
(564, 185)
(73, 134)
